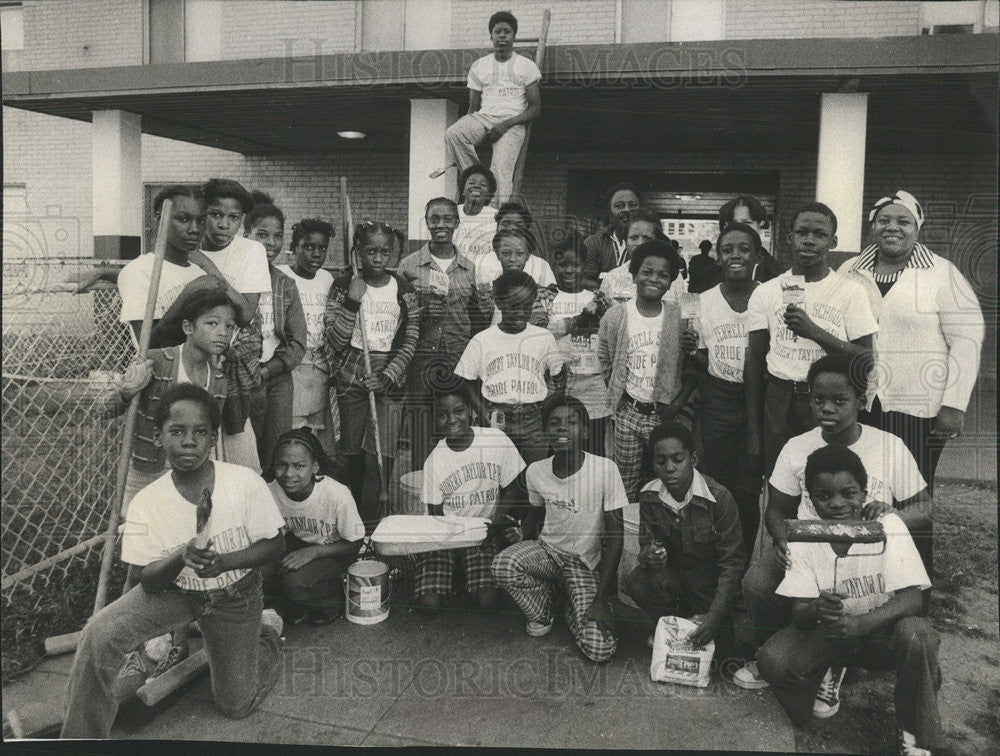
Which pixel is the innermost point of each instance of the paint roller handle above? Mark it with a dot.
(835, 531)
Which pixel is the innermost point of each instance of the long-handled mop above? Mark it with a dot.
(345, 200)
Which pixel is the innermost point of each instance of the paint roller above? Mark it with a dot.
(837, 531)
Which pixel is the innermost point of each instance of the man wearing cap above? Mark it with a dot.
(504, 96)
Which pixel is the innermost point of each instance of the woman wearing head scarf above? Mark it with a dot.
(930, 335)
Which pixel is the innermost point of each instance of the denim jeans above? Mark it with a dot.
(794, 661)
(242, 655)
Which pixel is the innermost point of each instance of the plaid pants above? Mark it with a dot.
(436, 569)
(531, 572)
(632, 429)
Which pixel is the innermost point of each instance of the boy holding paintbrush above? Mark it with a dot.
(856, 604)
(197, 533)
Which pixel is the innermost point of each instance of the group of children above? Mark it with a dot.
(518, 393)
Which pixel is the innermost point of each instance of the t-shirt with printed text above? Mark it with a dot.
(642, 348)
(468, 483)
(837, 305)
(160, 522)
(574, 506)
(579, 348)
(723, 332)
(511, 365)
(893, 475)
(382, 314)
(326, 516)
(868, 577)
(503, 84)
(312, 293)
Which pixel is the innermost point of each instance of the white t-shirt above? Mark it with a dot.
(723, 332)
(511, 365)
(579, 349)
(243, 263)
(313, 293)
(474, 235)
(503, 84)
(893, 475)
(382, 316)
(488, 270)
(617, 284)
(641, 351)
(133, 286)
(468, 483)
(867, 581)
(160, 522)
(328, 515)
(265, 308)
(837, 305)
(574, 506)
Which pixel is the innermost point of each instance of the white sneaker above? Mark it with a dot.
(748, 677)
(270, 618)
(908, 744)
(827, 701)
(538, 629)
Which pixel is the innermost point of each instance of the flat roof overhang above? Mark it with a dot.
(926, 92)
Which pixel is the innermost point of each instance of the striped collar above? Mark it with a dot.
(920, 258)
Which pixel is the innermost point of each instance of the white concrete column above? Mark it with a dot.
(840, 169)
(117, 171)
(428, 121)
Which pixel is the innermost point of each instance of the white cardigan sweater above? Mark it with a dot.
(930, 336)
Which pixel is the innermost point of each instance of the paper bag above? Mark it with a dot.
(675, 660)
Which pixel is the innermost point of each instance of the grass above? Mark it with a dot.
(30, 618)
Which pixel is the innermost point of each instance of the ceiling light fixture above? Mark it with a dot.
(352, 134)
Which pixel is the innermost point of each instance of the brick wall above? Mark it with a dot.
(82, 34)
(773, 19)
(254, 29)
(574, 22)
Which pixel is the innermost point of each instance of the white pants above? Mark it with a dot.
(470, 130)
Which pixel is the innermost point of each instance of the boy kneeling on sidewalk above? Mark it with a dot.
(868, 619)
(217, 585)
(691, 544)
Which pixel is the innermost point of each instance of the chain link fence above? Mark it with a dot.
(61, 352)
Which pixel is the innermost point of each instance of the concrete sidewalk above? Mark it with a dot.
(460, 678)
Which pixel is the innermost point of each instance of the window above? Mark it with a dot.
(11, 26)
(671, 20)
(166, 31)
(964, 17)
(184, 30)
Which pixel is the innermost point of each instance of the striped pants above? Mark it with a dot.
(632, 430)
(531, 572)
